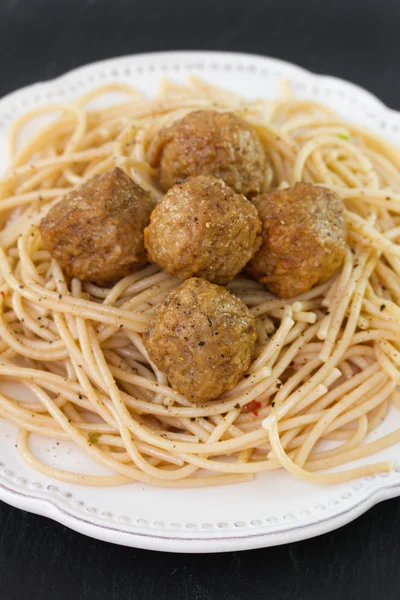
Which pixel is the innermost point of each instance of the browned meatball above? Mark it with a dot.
(203, 228)
(304, 238)
(202, 338)
(206, 142)
(96, 231)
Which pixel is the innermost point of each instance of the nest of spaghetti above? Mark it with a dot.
(196, 288)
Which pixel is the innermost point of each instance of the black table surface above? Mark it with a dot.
(353, 39)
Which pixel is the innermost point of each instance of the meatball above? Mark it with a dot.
(304, 238)
(207, 142)
(203, 228)
(202, 338)
(95, 232)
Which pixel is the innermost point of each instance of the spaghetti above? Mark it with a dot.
(327, 362)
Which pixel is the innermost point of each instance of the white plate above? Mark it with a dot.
(275, 508)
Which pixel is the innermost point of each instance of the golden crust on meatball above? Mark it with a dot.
(202, 338)
(203, 228)
(96, 231)
(207, 142)
(304, 239)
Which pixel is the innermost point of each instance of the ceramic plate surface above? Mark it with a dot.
(275, 508)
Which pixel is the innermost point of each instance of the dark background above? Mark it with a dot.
(353, 39)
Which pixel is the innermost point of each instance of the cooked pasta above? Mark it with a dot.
(327, 362)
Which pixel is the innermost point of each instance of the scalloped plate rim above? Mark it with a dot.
(195, 544)
(180, 53)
